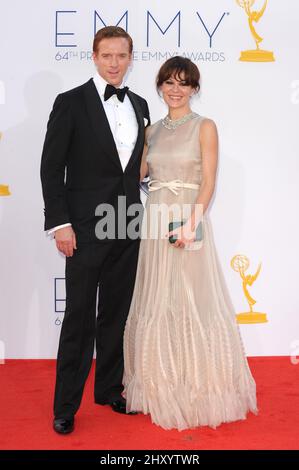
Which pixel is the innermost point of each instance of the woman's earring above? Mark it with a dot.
(161, 96)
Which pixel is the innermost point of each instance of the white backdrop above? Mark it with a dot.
(255, 106)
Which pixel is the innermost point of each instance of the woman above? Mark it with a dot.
(184, 359)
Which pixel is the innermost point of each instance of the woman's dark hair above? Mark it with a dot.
(178, 66)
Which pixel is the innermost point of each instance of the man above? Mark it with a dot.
(91, 156)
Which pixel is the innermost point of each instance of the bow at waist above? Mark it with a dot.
(173, 185)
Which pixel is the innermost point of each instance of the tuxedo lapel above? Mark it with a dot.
(99, 122)
(140, 136)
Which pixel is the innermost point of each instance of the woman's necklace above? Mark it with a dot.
(174, 123)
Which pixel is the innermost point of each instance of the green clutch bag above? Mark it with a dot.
(173, 225)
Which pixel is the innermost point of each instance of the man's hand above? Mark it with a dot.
(66, 240)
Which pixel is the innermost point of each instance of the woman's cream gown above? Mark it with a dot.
(184, 359)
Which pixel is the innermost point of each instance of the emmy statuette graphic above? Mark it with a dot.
(240, 264)
(4, 190)
(255, 55)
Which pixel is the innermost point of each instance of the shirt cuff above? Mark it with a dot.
(58, 227)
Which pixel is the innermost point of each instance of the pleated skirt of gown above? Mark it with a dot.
(185, 362)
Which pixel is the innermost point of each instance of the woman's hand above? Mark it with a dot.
(184, 234)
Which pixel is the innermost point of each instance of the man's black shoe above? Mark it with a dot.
(63, 426)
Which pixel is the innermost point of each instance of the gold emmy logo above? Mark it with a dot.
(240, 264)
(4, 190)
(255, 55)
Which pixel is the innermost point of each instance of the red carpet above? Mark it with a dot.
(26, 389)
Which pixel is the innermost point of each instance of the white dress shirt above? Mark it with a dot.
(123, 124)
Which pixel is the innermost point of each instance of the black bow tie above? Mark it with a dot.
(119, 92)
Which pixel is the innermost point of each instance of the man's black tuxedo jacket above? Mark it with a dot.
(80, 166)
